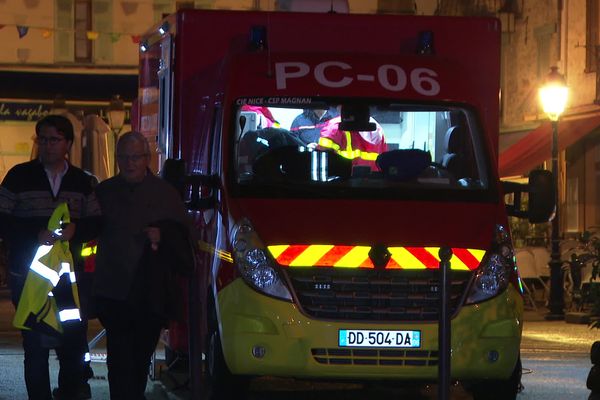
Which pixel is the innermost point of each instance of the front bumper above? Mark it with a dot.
(298, 346)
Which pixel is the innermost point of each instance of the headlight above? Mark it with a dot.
(494, 273)
(254, 263)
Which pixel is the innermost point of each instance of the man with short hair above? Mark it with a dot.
(143, 218)
(308, 125)
(28, 195)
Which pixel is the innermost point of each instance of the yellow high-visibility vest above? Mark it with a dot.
(37, 305)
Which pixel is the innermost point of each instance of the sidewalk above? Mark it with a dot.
(12, 387)
(540, 335)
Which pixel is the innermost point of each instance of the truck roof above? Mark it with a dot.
(206, 36)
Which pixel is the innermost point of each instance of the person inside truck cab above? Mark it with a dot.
(307, 125)
(256, 143)
(454, 159)
(265, 118)
(354, 135)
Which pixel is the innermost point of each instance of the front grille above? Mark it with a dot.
(375, 295)
(417, 358)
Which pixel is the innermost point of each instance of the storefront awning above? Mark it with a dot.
(71, 86)
(535, 147)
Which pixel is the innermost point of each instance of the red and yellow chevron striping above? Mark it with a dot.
(319, 255)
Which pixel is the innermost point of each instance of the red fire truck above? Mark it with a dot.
(328, 159)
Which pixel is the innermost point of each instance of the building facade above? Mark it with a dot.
(73, 56)
(539, 34)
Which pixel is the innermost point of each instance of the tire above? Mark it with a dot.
(499, 389)
(218, 382)
(595, 353)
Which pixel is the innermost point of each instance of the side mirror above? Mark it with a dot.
(198, 191)
(542, 202)
(173, 171)
(199, 185)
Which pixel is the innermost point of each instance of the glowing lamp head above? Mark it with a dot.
(554, 94)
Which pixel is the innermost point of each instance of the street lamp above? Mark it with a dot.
(116, 120)
(553, 95)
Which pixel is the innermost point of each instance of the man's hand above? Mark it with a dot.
(154, 236)
(48, 237)
(67, 232)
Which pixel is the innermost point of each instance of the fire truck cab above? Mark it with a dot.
(328, 159)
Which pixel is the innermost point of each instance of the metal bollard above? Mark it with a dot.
(444, 334)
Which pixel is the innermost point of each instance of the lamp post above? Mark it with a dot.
(116, 120)
(553, 95)
(59, 105)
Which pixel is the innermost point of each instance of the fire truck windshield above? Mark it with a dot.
(353, 145)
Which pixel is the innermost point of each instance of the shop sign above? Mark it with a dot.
(31, 112)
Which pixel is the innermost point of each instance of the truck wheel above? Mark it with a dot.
(218, 382)
(499, 389)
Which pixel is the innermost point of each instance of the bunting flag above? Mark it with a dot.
(47, 32)
(22, 30)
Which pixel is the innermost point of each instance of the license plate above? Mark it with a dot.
(372, 338)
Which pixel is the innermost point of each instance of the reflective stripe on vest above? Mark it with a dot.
(87, 251)
(48, 265)
(42, 270)
(349, 152)
(358, 257)
(70, 314)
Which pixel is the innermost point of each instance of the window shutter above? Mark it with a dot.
(102, 23)
(592, 36)
(161, 8)
(543, 37)
(64, 41)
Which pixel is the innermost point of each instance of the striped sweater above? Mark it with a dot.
(27, 201)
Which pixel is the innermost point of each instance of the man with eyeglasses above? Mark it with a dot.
(143, 242)
(28, 195)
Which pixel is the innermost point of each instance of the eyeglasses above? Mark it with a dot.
(52, 140)
(131, 157)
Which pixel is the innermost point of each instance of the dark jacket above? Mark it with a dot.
(127, 210)
(155, 287)
(308, 125)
